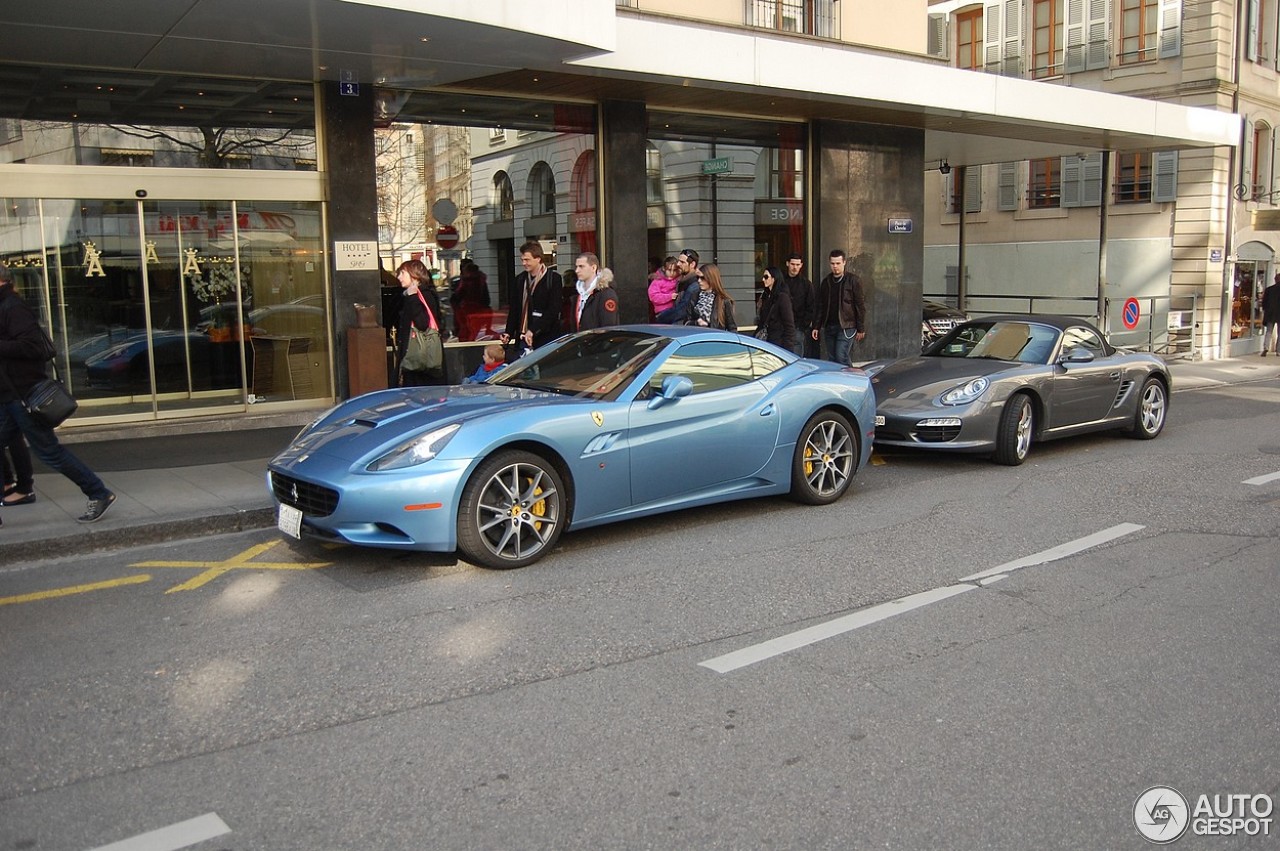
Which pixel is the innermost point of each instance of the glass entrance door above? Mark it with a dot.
(168, 308)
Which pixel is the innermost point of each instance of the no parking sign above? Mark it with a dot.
(1129, 316)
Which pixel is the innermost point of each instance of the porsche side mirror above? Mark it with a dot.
(673, 387)
(1076, 354)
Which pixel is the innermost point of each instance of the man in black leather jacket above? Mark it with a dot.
(23, 357)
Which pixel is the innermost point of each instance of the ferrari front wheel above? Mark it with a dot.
(512, 511)
(825, 459)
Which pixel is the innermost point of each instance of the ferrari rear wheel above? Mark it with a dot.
(825, 459)
(1153, 406)
(512, 511)
(1013, 435)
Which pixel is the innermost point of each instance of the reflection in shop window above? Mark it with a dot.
(542, 189)
(504, 198)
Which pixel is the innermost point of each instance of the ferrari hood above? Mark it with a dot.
(367, 424)
(925, 377)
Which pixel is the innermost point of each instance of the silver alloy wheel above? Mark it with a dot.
(1153, 407)
(519, 511)
(1023, 445)
(828, 453)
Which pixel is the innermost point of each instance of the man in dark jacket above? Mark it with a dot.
(23, 355)
(841, 311)
(1271, 318)
(802, 305)
(534, 301)
(597, 301)
(687, 268)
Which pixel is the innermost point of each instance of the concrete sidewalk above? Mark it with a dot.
(176, 486)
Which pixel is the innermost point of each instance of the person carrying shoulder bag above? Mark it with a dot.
(23, 359)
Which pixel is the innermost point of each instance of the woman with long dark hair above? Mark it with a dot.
(712, 308)
(777, 319)
(419, 310)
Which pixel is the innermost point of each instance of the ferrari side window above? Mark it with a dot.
(764, 363)
(709, 365)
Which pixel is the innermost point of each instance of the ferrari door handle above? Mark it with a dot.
(767, 410)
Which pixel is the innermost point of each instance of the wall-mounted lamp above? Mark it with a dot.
(945, 168)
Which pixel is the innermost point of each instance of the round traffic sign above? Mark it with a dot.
(1130, 314)
(446, 236)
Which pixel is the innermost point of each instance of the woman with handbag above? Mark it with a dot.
(419, 346)
(24, 352)
(777, 321)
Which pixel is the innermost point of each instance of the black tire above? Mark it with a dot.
(512, 511)
(1016, 429)
(1153, 409)
(826, 459)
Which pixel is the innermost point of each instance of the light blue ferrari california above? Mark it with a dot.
(599, 426)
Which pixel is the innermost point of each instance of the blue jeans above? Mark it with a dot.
(44, 444)
(837, 341)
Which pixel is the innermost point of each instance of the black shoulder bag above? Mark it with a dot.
(48, 403)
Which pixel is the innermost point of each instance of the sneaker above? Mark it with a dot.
(96, 508)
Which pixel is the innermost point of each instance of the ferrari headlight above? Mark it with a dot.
(965, 393)
(419, 450)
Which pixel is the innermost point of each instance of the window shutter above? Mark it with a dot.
(1082, 181)
(939, 43)
(1077, 47)
(1164, 178)
(991, 28)
(1071, 169)
(973, 189)
(1251, 34)
(1091, 180)
(1096, 34)
(1171, 28)
(1012, 38)
(1007, 197)
(1275, 158)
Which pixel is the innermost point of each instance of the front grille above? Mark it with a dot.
(311, 500)
(937, 434)
(883, 433)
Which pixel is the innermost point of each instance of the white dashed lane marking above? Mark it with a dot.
(184, 834)
(865, 617)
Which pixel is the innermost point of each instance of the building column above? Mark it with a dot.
(622, 153)
(346, 133)
(865, 175)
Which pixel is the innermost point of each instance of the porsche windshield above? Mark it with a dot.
(998, 340)
(593, 364)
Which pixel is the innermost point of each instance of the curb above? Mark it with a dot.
(243, 520)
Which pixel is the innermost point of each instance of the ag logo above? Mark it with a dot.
(1161, 814)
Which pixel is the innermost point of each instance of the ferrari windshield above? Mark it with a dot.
(1027, 342)
(593, 364)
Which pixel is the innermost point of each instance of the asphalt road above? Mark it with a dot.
(695, 681)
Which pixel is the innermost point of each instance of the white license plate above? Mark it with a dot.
(879, 422)
(289, 521)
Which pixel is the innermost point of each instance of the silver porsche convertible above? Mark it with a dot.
(997, 384)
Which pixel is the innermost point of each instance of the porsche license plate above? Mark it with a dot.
(879, 422)
(289, 521)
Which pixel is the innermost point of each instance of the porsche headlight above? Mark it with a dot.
(965, 393)
(419, 450)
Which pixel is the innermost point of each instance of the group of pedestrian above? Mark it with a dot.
(809, 320)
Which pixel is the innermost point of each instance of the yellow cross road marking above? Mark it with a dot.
(214, 569)
(75, 589)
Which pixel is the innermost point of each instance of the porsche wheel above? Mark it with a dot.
(825, 459)
(1013, 435)
(512, 511)
(1153, 407)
